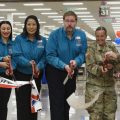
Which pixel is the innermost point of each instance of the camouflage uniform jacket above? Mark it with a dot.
(95, 56)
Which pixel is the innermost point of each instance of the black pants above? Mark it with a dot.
(23, 96)
(4, 98)
(58, 93)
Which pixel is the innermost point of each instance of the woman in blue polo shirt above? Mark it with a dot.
(6, 55)
(32, 48)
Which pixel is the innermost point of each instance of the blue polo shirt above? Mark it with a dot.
(8, 49)
(30, 50)
(60, 49)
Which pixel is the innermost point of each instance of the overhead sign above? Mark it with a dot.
(104, 11)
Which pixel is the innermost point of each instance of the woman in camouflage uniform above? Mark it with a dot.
(100, 78)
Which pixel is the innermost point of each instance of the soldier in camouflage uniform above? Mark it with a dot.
(100, 78)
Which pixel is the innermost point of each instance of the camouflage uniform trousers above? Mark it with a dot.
(105, 107)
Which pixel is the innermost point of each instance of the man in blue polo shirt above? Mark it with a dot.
(66, 47)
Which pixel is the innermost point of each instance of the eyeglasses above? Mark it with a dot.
(71, 21)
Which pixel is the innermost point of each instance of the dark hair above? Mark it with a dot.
(102, 28)
(70, 13)
(7, 22)
(25, 33)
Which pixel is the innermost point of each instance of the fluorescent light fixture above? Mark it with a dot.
(115, 15)
(49, 26)
(113, 3)
(116, 25)
(80, 8)
(58, 19)
(85, 16)
(16, 22)
(22, 17)
(91, 21)
(87, 19)
(1, 17)
(118, 28)
(7, 10)
(15, 28)
(50, 13)
(42, 22)
(84, 13)
(114, 8)
(42, 9)
(72, 3)
(1, 5)
(33, 4)
(55, 16)
(18, 13)
(115, 12)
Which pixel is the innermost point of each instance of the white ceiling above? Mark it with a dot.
(92, 9)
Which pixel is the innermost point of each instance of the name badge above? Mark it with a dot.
(78, 41)
(40, 44)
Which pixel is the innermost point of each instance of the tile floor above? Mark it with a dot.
(45, 113)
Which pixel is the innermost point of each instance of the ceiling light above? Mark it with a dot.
(58, 19)
(91, 21)
(2, 5)
(50, 13)
(114, 8)
(49, 26)
(85, 16)
(115, 12)
(80, 8)
(33, 4)
(87, 19)
(82, 13)
(115, 15)
(55, 16)
(116, 25)
(42, 9)
(42, 22)
(7, 10)
(16, 22)
(22, 16)
(112, 3)
(73, 3)
(1, 17)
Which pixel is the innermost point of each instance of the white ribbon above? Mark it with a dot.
(74, 101)
(36, 104)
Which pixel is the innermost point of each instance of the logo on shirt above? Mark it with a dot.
(40, 44)
(78, 41)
